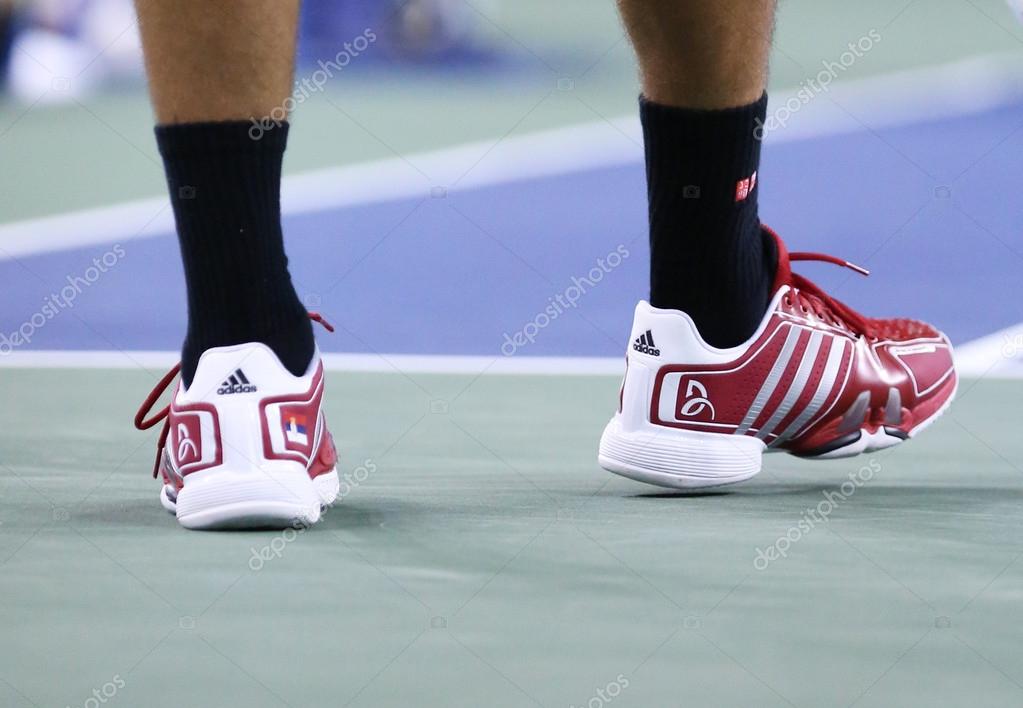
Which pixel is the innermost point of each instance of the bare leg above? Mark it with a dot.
(701, 54)
(216, 61)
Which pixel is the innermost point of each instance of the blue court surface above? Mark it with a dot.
(931, 208)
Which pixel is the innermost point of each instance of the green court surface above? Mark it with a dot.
(481, 558)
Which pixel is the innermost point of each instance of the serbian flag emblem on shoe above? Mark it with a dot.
(295, 429)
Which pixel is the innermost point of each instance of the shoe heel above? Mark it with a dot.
(670, 457)
(248, 499)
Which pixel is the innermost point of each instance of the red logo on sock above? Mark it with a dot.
(744, 186)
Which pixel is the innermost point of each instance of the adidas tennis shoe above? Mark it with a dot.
(815, 380)
(246, 444)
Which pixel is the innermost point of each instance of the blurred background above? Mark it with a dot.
(443, 71)
(499, 139)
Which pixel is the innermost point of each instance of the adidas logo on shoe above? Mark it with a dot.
(644, 344)
(816, 380)
(236, 383)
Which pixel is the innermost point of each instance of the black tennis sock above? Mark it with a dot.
(708, 256)
(225, 189)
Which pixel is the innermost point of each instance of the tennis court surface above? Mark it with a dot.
(479, 555)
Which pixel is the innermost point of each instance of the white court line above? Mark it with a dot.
(997, 356)
(962, 88)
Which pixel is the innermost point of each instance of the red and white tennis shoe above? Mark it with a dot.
(815, 380)
(246, 445)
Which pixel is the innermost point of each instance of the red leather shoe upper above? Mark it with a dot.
(817, 374)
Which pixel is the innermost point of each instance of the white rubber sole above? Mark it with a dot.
(224, 499)
(683, 459)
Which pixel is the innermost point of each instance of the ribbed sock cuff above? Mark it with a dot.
(702, 154)
(225, 190)
(218, 137)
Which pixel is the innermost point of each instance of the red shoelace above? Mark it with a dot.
(811, 298)
(144, 423)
